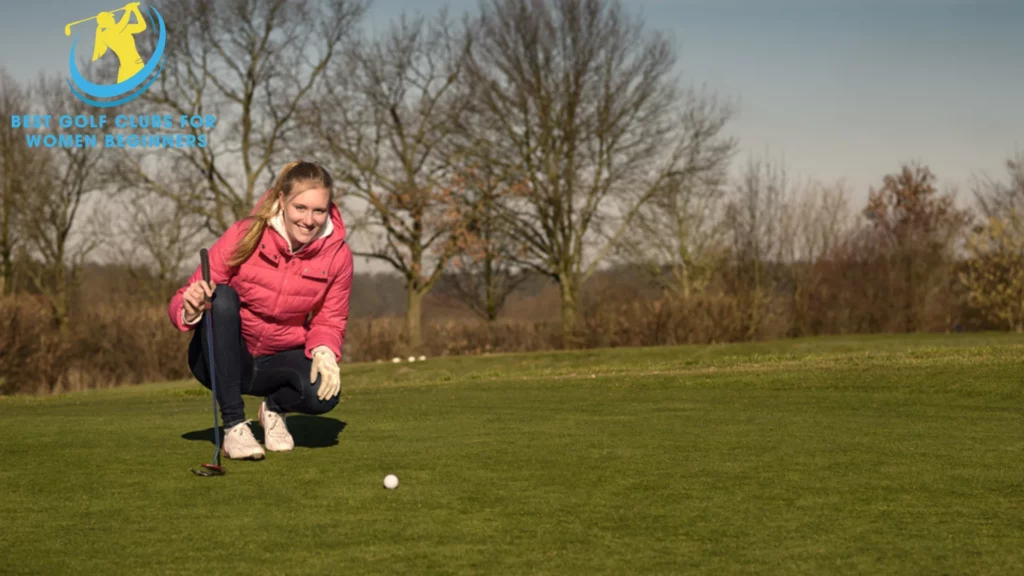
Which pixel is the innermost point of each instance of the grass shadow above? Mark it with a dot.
(308, 431)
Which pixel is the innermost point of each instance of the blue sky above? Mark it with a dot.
(837, 89)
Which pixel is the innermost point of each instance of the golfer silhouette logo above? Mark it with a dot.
(116, 35)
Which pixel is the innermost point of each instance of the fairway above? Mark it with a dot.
(852, 455)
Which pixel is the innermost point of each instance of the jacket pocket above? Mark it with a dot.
(312, 284)
(317, 273)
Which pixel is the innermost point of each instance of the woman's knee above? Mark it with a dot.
(312, 404)
(225, 300)
(287, 373)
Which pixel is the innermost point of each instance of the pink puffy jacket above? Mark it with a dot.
(287, 300)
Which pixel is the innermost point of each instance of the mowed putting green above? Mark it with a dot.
(866, 455)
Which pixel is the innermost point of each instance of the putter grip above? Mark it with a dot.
(204, 257)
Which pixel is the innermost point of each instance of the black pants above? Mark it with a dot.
(282, 378)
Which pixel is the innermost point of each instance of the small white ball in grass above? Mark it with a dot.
(391, 481)
(423, 358)
(412, 358)
(396, 360)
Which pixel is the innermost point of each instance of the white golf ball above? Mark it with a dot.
(422, 358)
(391, 481)
(396, 359)
(412, 358)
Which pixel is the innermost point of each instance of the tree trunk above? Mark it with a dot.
(799, 305)
(7, 278)
(683, 272)
(60, 300)
(908, 308)
(490, 298)
(413, 318)
(6, 255)
(754, 325)
(570, 300)
(684, 277)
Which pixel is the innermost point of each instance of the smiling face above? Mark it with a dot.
(305, 213)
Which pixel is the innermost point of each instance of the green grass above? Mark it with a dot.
(860, 455)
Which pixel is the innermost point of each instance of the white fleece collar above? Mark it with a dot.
(277, 223)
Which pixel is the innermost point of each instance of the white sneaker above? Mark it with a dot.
(275, 433)
(240, 444)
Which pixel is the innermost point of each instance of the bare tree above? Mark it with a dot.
(755, 217)
(389, 115)
(484, 272)
(158, 236)
(68, 176)
(250, 64)
(998, 199)
(814, 227)
(587, 114)
(677, 235)
(16, 169)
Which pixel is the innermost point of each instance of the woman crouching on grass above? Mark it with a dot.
(279, 295)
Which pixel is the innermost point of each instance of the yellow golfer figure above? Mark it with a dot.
(117, 35)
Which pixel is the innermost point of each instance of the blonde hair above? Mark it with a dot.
(294, 178)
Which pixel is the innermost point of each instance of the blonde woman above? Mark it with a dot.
(279, 295)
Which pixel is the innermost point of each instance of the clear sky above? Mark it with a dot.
(839, 89)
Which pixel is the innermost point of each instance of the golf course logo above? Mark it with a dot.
(116, 35)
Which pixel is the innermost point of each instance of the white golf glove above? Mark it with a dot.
(325, 365)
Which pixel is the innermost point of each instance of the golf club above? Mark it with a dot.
(214, 468)
(67, 27)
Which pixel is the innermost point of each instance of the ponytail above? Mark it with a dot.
(284, 184)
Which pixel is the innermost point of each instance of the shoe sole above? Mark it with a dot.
(252, 457)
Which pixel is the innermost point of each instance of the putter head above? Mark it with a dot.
(67, 30)
(209, 470)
